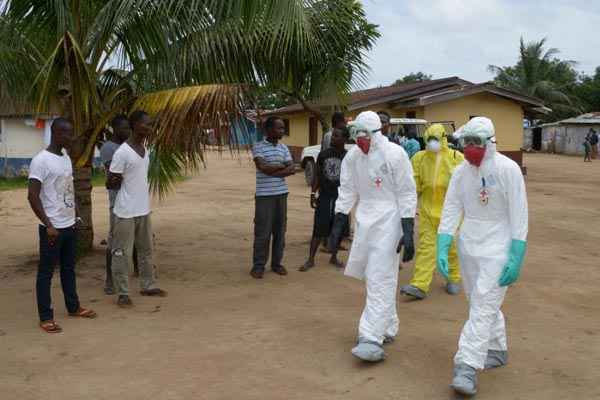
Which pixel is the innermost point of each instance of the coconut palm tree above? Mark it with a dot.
(188, 62)
(539, 73)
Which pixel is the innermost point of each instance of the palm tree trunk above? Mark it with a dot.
(82, 185)
(82, 180)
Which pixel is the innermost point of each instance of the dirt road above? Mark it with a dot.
(222, 335)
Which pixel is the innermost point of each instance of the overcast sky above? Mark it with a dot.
(462, 37)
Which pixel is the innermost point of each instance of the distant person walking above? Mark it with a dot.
(273, 164)
(594, 143)
(52, 199)
(129, 176)
(587, 148)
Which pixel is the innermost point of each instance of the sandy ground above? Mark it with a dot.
(222, 335)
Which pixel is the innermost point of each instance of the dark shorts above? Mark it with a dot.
(324, 215)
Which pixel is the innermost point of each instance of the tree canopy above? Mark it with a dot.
(191, 63)
(540, 73)
(413, 77)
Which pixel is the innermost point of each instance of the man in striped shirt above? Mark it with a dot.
(273, 163)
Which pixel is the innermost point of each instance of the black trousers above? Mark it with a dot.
(62, 252)
(270, 220)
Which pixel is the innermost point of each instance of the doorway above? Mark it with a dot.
(313, 137)
(536, 140)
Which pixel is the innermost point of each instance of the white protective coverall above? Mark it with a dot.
(382, 183)
(490, 224)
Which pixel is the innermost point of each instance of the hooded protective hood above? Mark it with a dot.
(482, 128)
(367, 122)
(438, 132)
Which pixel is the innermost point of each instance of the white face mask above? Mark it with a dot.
(434, 146)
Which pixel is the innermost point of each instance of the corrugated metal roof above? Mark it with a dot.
(592, 118)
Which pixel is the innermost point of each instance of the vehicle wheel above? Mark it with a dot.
(309, 170)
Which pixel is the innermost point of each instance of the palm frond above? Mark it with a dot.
(182, 116)
(167, 168)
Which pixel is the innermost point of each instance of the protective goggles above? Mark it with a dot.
(358, 130)
(473, 140)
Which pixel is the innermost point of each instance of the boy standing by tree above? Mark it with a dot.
(121, 131)
(129, 175)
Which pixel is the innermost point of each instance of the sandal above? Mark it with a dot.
(257, 274)
(280, 270)
(124, 301)
(307, 265)
(156, 292)
(84, 313)
(50, 326)
(337, 263)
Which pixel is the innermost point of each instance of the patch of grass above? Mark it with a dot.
(13, 183)
(21, 182)
(98, 178)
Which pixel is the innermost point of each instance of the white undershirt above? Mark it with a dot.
(56, 175)
(133, 199)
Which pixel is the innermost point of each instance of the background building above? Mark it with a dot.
(451, 100)
(562, 137)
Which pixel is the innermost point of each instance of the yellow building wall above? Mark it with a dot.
(395, 113)
(299, 130)
(506, 115)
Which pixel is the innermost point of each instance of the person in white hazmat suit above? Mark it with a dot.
(487, 193)
(377, 176)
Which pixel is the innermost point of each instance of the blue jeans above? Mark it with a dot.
(61, 252)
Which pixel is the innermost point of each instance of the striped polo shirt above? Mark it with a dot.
(272, 154)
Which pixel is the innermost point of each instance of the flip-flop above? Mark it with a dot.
(108, 290)
(84, 313)
(257, 274)
(50, 327)
(280, 270)
(124, 302)
(154, 292)
(307, 265)
(338, 264)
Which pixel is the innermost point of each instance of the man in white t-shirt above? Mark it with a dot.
(129, 175)
(120, 133)
(52, 199)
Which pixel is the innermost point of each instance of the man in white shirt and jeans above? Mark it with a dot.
(120, 133)
(52, 199)
(129, 175)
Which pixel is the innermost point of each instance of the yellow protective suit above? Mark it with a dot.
(432, 176)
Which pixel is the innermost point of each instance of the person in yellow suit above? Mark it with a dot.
(432, 168)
